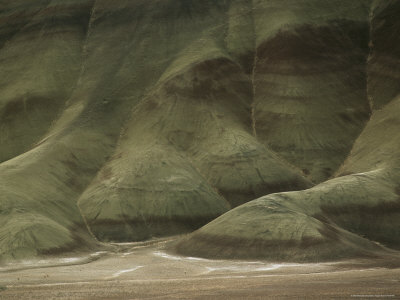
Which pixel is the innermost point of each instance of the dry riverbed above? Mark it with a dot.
(147, 271)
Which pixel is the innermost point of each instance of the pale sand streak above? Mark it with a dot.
(119, 273)
(180, 279)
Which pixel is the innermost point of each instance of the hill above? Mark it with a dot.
(126, 120)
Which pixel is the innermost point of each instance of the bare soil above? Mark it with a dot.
(147, 271)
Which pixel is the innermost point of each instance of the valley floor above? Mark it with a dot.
(147, 271)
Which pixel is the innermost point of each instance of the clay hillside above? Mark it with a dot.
(274, 123)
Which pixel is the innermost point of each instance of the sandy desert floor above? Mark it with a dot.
(147, 271)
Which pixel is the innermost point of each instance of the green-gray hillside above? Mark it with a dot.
(125, 120)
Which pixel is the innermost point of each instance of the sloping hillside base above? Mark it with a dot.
(40, 188)
(360, 209)
(164, 156)
(326, 222)
(28, 234)
(150, 199)
(377, 146)
(268, 232)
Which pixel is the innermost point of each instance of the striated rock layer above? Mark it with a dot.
(357, 211)
(126, 120)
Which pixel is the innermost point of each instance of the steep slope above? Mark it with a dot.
(383, 79)
(335, 219)
(187, 134)
(174, 161)
(310, 81)
(36, 78)
(89, 65)
(355, 214)
(123, 120)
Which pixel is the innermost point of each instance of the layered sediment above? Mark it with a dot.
(126, 120)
